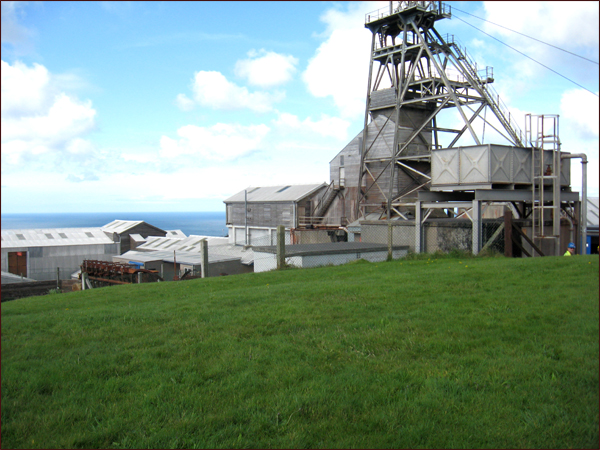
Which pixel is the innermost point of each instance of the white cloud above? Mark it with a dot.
(266, 69)
(327, 126)
(574, 29)
(338, 70)
(580, 109)
(184, 103)
(37, 119)
(25, 91)
(212, 89)
(12, 31)
(221, 142)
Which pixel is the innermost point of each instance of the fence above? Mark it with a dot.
(18, 290)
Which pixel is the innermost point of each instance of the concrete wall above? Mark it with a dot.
(268, 261)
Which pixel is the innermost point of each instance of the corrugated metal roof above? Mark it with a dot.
(219, 249)
(289, 193)
(190, 243)
(182, 257)
(52, 237)
(176, 234)
(119, 226)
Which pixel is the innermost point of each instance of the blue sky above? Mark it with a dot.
(175, 106)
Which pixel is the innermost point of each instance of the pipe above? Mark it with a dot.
(568, 219)
(583, 213)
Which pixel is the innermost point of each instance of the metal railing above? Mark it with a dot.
(488, 75)
(430, 6)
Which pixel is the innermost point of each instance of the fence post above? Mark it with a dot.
(139, 277)
(508, 250)
(476, 231)
(204, 253)
(280, 247)
(390, 243)
(58, 278)
(418, 226)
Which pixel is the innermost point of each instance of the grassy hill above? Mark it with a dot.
(438, 352)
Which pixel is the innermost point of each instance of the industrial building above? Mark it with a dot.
(410, 165)
(252, 215)
(48, 254)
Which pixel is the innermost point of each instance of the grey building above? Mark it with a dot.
(254, 213)
(44, 254)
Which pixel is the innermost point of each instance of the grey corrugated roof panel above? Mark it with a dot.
(282, 193)
(137, 238)
(120, 226)
(176, 234)
(53, 237)
(133, 255)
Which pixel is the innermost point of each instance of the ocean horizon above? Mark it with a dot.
(196, 223)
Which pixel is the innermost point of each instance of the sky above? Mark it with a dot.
(175, 106)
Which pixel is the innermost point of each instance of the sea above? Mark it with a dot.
(197, 223)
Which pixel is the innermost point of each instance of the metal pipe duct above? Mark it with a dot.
(583, 214)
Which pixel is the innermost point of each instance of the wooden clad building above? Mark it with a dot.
(254, 213)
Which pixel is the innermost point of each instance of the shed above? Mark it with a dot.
(123, 229)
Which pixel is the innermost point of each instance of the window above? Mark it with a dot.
(49, 236)
(88, 234)
(62, 235)
(341, 160)
(283, 189)
(20, 237)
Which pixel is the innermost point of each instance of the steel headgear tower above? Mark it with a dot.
(414, 74)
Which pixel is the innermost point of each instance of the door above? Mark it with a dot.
(17, 263)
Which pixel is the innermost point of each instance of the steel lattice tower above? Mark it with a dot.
(414, 74)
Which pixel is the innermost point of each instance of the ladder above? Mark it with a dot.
(541, 132)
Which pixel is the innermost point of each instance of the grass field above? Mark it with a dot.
(436, 352)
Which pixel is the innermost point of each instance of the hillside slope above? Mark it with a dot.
(439, 352)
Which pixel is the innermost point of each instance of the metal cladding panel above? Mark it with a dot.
(486, 165)
(500, 164)
(445, 166)
(521, 165)
(474, 164)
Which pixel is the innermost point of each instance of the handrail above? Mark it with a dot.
(324, 197)
(431, 6)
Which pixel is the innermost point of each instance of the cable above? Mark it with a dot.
(501, 26)
(529, 57)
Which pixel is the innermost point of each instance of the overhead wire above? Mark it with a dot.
(529, 57)
(522, 34)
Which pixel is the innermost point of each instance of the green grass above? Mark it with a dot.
(418, 353)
